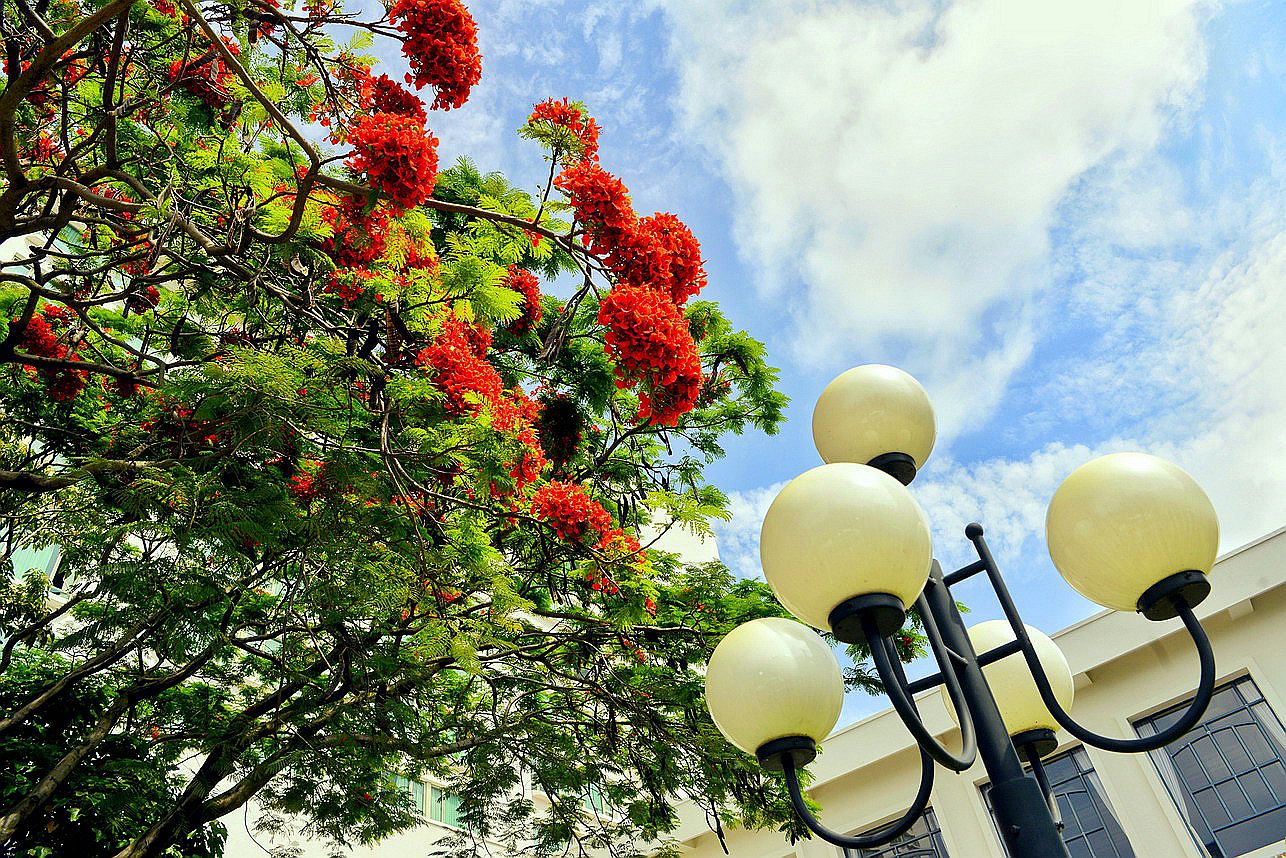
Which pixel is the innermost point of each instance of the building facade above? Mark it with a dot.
(1219, 792)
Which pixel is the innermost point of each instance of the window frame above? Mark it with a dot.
(936, 845)
(1257, 712)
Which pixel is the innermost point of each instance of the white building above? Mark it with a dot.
(1218, 792)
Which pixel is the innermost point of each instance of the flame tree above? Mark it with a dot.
(339, 488)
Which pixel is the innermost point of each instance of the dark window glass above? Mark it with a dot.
(1090, 828)
(1227, 776)
(923, 840)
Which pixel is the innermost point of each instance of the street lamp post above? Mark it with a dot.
(846, 549)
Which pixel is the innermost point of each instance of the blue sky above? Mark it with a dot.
(1066, 219)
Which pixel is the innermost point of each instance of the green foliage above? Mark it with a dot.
(112, 797)
(293, 559)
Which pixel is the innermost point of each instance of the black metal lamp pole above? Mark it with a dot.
(1025, 811)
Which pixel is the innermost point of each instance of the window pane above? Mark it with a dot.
(1101, 844)
(1230, 770)
(1261, 797)
(1261, 750)
(1233, 750)
(446, 807)
(1234, 800)
(1211, 808)
(1211, 760)
(922, 840)
(1188, 767)
(1275, 774)
(417, 795)
(1079, 849)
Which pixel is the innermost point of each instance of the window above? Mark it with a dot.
(1228, 775)
(444, 807)
(441, 806)
(1090, 829)
(415, 789)
(923, 840)
(594, 800)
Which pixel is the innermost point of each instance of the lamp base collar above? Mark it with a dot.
(846, 617)
(1040, 742)
(1157, 602)
(802, 750)
(899, 466)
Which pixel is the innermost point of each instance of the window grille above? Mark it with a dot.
(1227, 776)
(923, 840)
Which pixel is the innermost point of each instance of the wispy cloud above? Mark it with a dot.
(904, 162)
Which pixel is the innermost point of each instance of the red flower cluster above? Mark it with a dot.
(379, 94)
(442, 46)
(359, 234)
(674, 258)
(304, 487)
(347, 284)
(600, 199)
(571, 512)
(516, 413)
(524, 282)
(397, 155)
(574, 119)
(207, 76)
(389, 96)
(39, 339)
(648, 338)
(657, 265)
(457, 359)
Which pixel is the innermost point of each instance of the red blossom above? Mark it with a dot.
(525, 283)
(38, 339)
(304, 487)
(142, 300)
(347, 284)
(442, 46)
(389, 96)
(207, 76)
(516, 414)
(649, 340)
(397, 156)
(600, 200)
(684, 273)
(359, 234)
(572, 513)
(456, 358)
(567, 115)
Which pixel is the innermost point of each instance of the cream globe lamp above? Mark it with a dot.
(773, 686)
(1133, 532)
(843, 539)
(875, 415)
(1027, 720)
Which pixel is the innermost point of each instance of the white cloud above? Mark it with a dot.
(1205, 386)
(906, 161)
(738, 537)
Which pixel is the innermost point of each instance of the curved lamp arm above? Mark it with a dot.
(889, 668)
(1197, 708)
(872, 839)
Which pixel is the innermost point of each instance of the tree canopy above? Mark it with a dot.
(340, 485)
